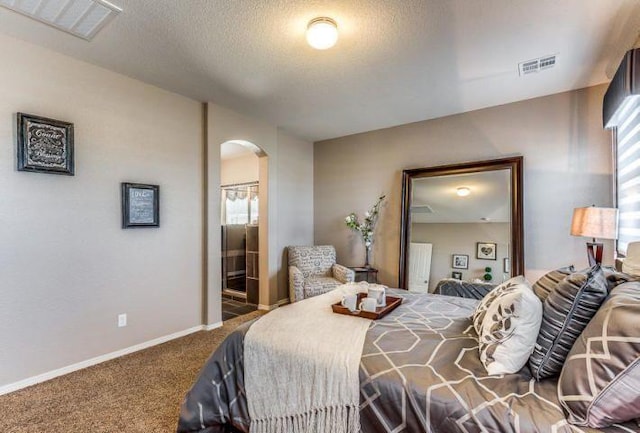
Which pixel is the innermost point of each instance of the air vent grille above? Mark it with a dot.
(536, 65)
(425, 208)
(81, 18)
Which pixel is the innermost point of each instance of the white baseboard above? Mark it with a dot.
(212, 326)
(280, 303)
(102, 358)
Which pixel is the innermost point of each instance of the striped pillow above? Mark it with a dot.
(549, 281)
(566, 312)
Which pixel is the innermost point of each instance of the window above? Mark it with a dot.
(240, 204)
(627, 160)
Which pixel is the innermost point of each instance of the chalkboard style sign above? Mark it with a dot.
(140, 205)
(44, 145)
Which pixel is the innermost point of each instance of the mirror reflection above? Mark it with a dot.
(460, 228)
(461, 222)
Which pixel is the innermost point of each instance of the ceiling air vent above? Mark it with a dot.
(536, 65)
(81, 18)
(425, 208)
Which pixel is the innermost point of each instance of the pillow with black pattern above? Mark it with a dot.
(481, 308)
(509, 327)
(566, 312)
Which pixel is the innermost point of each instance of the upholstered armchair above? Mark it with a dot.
(313, 271)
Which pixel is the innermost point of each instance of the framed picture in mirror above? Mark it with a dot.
(486, 250)
(460, 261)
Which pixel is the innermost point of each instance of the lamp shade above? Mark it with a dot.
(595, 222)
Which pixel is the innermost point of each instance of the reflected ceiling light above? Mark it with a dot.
(463, 191)
(322, 33)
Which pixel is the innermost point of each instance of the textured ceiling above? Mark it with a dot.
(489, 198)
(397, 61)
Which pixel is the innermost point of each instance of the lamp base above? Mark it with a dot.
(594, 253)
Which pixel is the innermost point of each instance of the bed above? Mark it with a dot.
(419, 372)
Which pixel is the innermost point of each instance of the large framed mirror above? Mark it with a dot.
(461, 221)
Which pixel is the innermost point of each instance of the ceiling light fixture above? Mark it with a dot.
(463, 191)
(322, 33)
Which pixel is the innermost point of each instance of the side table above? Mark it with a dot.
(370, 275)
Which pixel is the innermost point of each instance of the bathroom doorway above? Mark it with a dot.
(240, 214)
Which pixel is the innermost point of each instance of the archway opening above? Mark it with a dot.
(244, 244)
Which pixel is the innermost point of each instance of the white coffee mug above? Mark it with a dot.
(350, 301)
(369, 304)
(379, 294)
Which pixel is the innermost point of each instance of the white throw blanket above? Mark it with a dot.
(301, 367)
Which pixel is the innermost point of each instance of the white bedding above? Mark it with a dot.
(302, 375)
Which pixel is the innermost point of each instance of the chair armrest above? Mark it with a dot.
(343, 274)
(296, 284)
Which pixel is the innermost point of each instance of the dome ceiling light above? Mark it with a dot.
(322, 33)
(463, 191)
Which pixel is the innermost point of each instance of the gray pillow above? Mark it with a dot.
(600, 380)
(548, 282)
(615, 278)
(566, 312)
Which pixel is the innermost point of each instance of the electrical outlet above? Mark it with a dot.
(122, 320)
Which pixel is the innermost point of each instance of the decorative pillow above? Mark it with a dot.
(566, 312)
(548, 282)
(600, 380)
(481, 308)
(615, 278)
(509, 327)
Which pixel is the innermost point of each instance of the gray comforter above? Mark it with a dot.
(420, 372)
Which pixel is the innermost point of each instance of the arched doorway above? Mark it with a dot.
(243, 216)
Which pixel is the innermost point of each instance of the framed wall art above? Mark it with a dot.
(486, 250)
(460, 261)
(457, 275)
(44, 145)
(140, 205)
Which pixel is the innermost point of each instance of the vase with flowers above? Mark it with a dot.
(366, 227)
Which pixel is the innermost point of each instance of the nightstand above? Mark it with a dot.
(370, 275)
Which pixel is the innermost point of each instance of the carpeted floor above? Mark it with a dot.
(138, 393)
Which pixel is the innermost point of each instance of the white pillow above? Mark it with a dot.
(483, 306)
(510, 322)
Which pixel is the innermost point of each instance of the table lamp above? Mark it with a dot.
(595, 222)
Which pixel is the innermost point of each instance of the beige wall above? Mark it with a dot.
(286, 167)
(295, 192)
(241, 169)
(461, 238)
(67, 268)
(567, 163)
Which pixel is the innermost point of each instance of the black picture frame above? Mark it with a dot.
(44, 145)
(140, 205)
(460, 261)
(486, 250)
(456, 275)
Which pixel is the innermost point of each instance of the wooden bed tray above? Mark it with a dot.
(392, 303)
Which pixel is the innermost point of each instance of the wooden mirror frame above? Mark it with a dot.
(515, 164)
